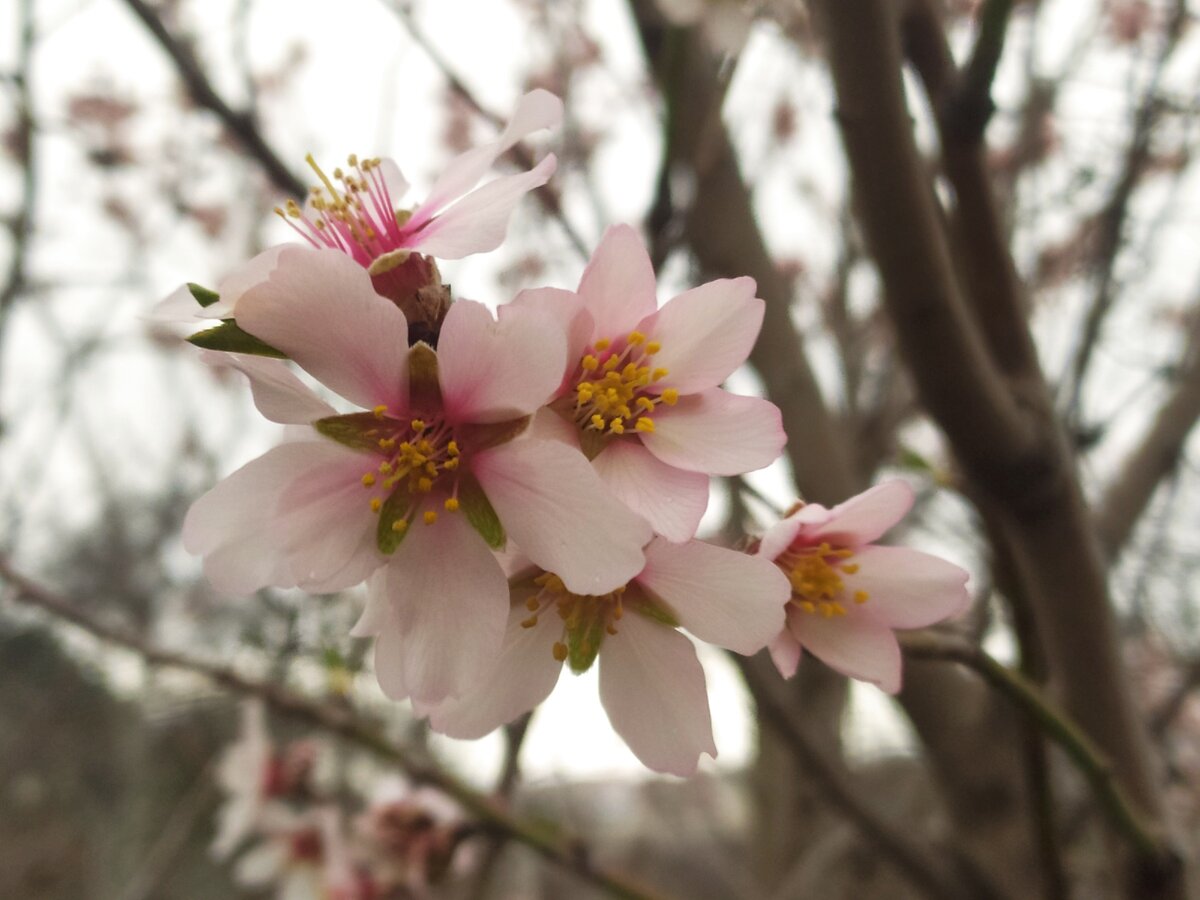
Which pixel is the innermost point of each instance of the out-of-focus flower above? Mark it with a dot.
(415, 487)
(726, 23)
(651, 683)
(409, 837)
(641, 383)
(304, 856)
(848, 594)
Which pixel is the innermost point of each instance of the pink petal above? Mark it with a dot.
(493, 371)
(178, 307)
(671, 500)
(717, 432)
(279, 395)
(857, 644)
(866, 516)
(249, 275)
(389, 651)
(478, 222)
(908, 588)
(548, 425)
(618, 286)
(721, 596)
(652, 687)
(536, 111)
(779, 537)
(565, 308)
(553, 504)
(785, 653)
(522, 677)
(449, 600)
(318, 307)
(706, 333)
(394, 180)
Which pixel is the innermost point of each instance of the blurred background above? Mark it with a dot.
(145, 144)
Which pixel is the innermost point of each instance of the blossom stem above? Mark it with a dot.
(548, 842)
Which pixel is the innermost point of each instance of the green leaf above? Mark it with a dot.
(395, 509)
(474, 504)
(584, 640)
(230, 338)
(423, 387)
(359, 431)
(203, 295)
(911, 459)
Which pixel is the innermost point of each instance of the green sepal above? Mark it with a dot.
(424, 390)
(653, 609)
(591, 442)
(359, 431)
(474, 504)
(230, 338)
(583, 643)
(394, 509)
(484, 437)
(202, 295)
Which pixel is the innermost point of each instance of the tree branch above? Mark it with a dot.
(565, 852)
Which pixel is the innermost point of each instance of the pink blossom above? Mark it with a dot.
(848, 594)
(411, 490)
(651, 683)
(641, 384)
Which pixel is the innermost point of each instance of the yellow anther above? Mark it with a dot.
(598, 422)
(352, 160)
(532, 604)
(379, 411)
(450, 464)
(430, 516)
(644, 424)
(376, 504)
(451, 504)
(602, 344)
(616, 426)
(424, 485)
(645, 403)
(861, 596)
(850, 568)
(670, 396)
(452, 448)
(653, 347)
(418, 425)
(636, 337)
(368, 480)
(659, 374)
(560, 651)
(387, 443)
(431, 469)
(400, 525)
(530, 622)
(808, 606)
(611, 363)
(589, 363)
(385, 467)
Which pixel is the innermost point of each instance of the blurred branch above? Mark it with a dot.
(1056, 725)
(239, 124)
(919, 864)
(568, 853)
(971, 106)
(548, 196)
(510, 772)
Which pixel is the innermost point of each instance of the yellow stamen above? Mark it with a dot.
(430, 516)
(644, 424)
(368, 480)
(670, 396)
(379, 411)
(376, 504)
(590, 363)
(653, 347)
(418, 425)
(560, 651)
(451, 504)
(636, 337)
(400, 525)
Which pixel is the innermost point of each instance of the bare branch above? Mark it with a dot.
(565, 852)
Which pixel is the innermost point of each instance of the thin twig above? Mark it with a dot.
(566, 852)
(1056, 725)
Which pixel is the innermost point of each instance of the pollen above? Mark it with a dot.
(451, 504)
(376, 504)
(400, 526)
(636, 337)
(602, 344)
(424, 485)
(368, 480)
(589, 363)
(670, 396)
(817, 574)
(430, 516)
(645, 425)
(380, 411)
(653, 347)
(418, 425)
(613, 394)
(560, 650)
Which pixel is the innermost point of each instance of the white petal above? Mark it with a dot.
(908, 588)
(721, 596)
(652, 687)
(671, 500)
(250, 274)
(618, 285)
(318, 307)
(553, 504)
(279, 395)
(522, 677)
(857, 644)
(717, 432)
(866, 516)
(785, 653)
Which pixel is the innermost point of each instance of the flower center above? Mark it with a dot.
(816, 577)
(586, 618)
(613, 394)
(354, 215)
(419, 457)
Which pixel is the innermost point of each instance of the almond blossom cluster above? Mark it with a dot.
(522, 490)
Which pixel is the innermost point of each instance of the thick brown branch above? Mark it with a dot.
(568, 853)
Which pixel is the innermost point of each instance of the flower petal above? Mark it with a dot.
(522, 677)
(671, 500)
(536, 111)
(706, 333)
(318, 307)
(721, 596)
(478, 222)
(250, 274)
(652, 687)
(866, 516)
(908, 588)
(553, 504)
(778, 537)
(449, 602)
(562, 307)
(717, 432)
(857, 644)
(618, 286)
(279, 395)
(494, 371)
(785, 653)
